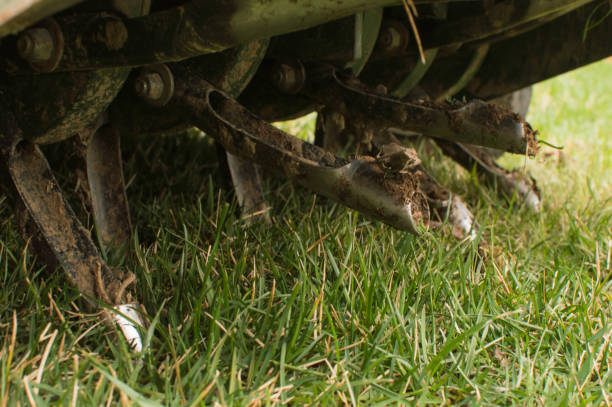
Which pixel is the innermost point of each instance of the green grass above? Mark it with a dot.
(327, 307)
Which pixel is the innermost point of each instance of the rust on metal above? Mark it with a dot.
(65, 76)
(511, 182)
(247, 186)
(196, 28)
(363, 184)
(155, 84)
(474, 122)
(100, 157)
(41, 47)
(68, 240)
(394, 158)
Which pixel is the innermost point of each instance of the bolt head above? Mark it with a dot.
(289, 77)
(115, 34)
(25, 45)
(391, 39)
(150, 86)
(155, 85)
(35, 45)
(141, 86)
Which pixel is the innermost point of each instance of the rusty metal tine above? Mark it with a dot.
(510, 181)
(475, 122)
(107, 187)
(247, 186)
(67, 238)
(361, 184)
(450, 206)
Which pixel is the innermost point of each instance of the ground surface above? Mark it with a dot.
(326, 307)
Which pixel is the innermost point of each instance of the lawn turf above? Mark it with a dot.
(327, 307)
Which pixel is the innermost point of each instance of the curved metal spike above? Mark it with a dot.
(361, 184)
(67, 239)
(511, 182)
(475, 122)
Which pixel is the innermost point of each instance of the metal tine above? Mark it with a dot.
(247, 186)
(100, 153)
(361, 184)
(401, 197)
(67, 239)
(474, 122)
(443, 205)
(511, 182)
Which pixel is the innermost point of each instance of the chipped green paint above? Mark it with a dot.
(197, 28)
(50, 108)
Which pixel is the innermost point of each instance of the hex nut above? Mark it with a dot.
(393, 38)
(155, 85)
(149, 86)
(289, 77)
(42, 45)
(35, 45)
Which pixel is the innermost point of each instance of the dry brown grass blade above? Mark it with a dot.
(411, 11)
(412, 6)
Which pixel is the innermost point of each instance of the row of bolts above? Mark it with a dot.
(36, 45)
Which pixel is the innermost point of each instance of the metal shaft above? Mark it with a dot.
(476, 122)
(361, 184)
(196, 28)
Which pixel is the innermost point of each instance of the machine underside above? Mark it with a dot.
(376, 73)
